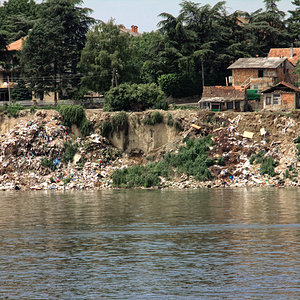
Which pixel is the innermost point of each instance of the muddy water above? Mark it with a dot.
(213, 244)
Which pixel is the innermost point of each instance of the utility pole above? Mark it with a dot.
(202, 67)
(8, 87)
(114, 78)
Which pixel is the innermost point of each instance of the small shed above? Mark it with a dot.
(220, 98)
(282, 96)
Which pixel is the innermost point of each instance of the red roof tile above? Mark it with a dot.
(286, 52)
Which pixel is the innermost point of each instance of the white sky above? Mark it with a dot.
(144, 13)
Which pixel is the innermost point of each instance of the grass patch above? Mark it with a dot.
(12, 110)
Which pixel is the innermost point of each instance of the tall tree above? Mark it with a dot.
(17, 18)
(267, 28)
(294, 23)
(52, 50)
(105, 59)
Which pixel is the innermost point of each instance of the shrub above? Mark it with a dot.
(106, 129)
(268, 166)
(170, 120)
(47, 163)
(135, 97)
(120, 121)
(155, 118)
(70, 151)
(75, 114)
(220, 161)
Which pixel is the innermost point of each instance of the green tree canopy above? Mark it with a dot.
(52, 50)
(107, 51)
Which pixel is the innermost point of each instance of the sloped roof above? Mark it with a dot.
(222, 93)
(284, 86)
(257, 63)
(286, 52)
(16, 46)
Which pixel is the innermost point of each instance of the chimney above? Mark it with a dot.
(132, 28)
(135, 29)
(292, 51)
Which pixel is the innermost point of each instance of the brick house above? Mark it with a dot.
(261, 72)
(282, 96)
(220, 98)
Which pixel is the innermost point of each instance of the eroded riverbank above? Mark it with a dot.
(39, 152)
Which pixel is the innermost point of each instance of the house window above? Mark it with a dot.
(255, 86)
(260, 73)
(229, 105)
(276, 99)
(268, 100)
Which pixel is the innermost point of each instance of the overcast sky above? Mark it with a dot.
(144, 13)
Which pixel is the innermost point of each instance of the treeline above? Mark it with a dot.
(69, 53)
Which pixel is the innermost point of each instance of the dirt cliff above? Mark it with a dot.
(38, 152)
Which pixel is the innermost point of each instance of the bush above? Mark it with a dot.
(155, 118)
(180, 85)
(106, 129)
(75, 114)
(70, 151)
(268, 166)
(48, 164)
(120, 122)
(135, 97)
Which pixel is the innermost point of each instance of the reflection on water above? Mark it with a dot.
(209, 244)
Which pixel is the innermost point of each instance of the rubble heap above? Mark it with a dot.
(42, 137)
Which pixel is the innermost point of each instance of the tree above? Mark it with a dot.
(17, 17)
(135, 97)
(20, 91)
(105, 57)
(293, 23)
(267, 28)
(52, 50)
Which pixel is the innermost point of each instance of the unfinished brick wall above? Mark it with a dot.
(241, 76)
(288, 100)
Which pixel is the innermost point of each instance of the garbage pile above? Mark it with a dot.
(32, 157)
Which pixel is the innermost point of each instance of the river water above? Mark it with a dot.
(207, 244)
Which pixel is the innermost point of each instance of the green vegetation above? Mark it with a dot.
(12, 110)
(257, 158)
(268, 166)
(154, 118)
(75, 114)
(180, 85)
(20, 91)
(117, 123)
(106, 129)
(135, 97)
(192, 160)
(48, 164)
(70, 151)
